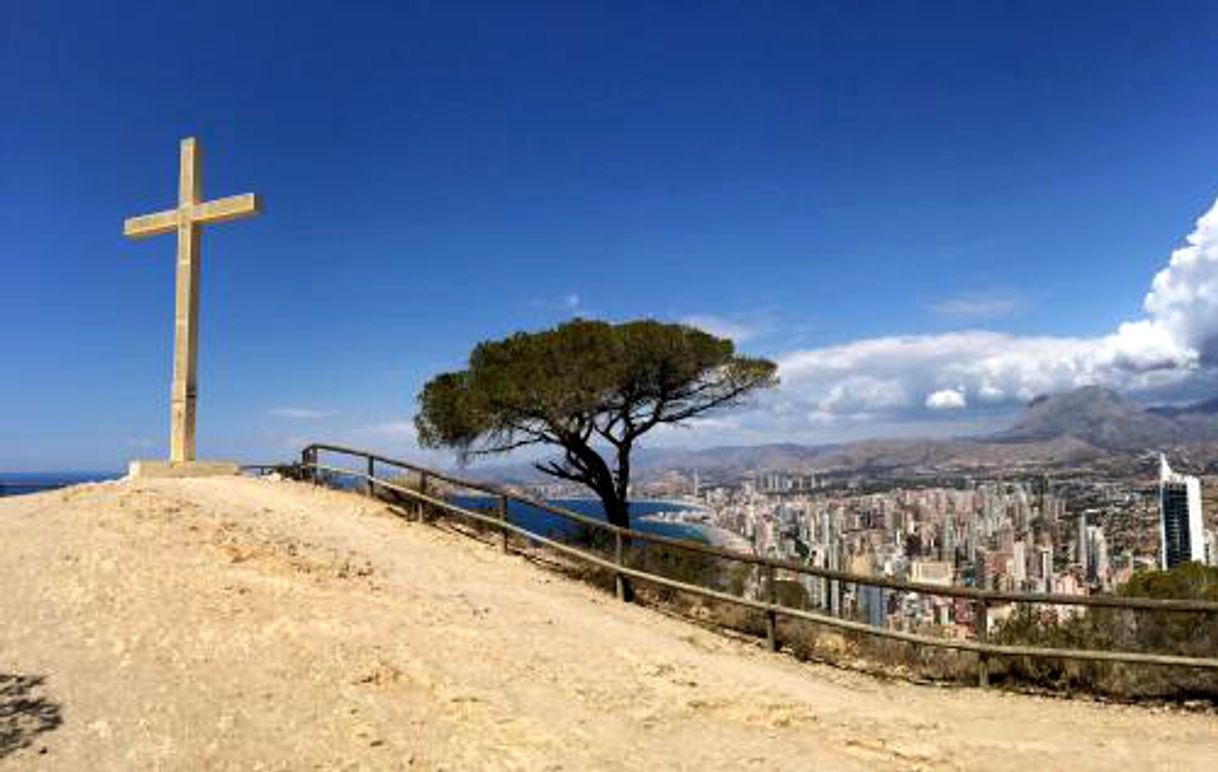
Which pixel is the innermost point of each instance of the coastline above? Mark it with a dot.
(692, 506)
(714, 535)
(727, 540)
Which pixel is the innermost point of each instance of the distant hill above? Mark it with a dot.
(878, 456)
(1098, 416)
(1089, 425)
(1206, 408)
(743, 458)
(1092, 425)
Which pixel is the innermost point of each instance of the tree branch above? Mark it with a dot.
(555, 470)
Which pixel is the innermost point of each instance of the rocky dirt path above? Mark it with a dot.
(253, 624)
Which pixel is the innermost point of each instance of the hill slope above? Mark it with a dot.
(236, 623)
(1098, 416)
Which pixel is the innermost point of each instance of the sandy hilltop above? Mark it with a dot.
(255, 624)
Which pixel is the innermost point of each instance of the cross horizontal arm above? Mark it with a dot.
(151, 224)
(225, 209)
(220, 210)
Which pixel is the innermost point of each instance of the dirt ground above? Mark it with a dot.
(257, 624)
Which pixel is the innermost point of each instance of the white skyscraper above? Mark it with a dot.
(1097, 555)
(1080, 542)
(1181, 530)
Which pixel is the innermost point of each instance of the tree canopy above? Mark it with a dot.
(585, 387)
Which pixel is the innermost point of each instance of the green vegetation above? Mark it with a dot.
(1163, 632)
(587, 388)
(583, 387)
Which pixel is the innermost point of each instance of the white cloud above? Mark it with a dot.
(1183, 299)
(734, 329)
(714, 422)
(979, 305)
(992, 367)
(298, 412)
(946, 399)
(862, 394)
(902, 377)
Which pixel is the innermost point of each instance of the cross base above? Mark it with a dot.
(148, 469)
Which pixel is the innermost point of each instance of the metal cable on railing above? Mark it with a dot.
(982, 599)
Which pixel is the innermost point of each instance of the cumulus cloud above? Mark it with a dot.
(1175, 342)
(1183, 298)
(946, 399)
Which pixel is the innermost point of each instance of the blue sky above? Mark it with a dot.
(1001, 181)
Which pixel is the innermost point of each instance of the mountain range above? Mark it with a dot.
(1089, 426)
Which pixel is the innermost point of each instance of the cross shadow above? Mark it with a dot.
(25, 712)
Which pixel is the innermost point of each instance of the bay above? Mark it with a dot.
(548, 524)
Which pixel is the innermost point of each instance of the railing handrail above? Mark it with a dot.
(981, 646)
(992, 597)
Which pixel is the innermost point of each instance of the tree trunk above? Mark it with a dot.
(617, 512)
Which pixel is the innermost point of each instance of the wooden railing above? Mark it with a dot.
(312, 468)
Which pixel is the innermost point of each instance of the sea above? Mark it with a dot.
(548, 524)
(524, 515)
(18, 483)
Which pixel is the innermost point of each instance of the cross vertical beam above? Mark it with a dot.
(188, 219)
(186, 309)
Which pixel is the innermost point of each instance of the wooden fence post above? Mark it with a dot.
(981, 613)
(314, 472)
(771, 616)
(503, 515)
(619, 581)
(371, 473)
(421, 508)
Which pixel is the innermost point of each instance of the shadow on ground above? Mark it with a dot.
(25, 712)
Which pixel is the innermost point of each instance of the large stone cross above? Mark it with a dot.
(187, 219)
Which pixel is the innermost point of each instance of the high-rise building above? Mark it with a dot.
(1044, 566)
(874, 601)
(1046, 511)
(1080, 542)
(1019, 563)
(1097, 555)
(1181, 532)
